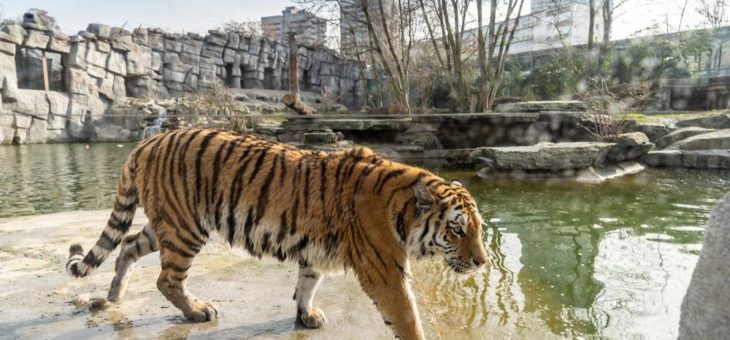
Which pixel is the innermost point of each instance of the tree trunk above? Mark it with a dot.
(296, 104)
(292, 100)
(293, 65)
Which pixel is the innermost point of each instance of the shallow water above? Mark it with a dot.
(566, 260)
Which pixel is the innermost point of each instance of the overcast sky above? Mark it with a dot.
(201, 15)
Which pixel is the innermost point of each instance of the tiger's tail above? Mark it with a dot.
(117, 226)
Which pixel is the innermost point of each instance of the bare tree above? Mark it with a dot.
(496, 44)
(252, 28)
(454, 46)
(390, 35)
(713, 11)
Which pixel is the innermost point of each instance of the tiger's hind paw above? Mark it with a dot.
(315, 319)
(202, 312)
(98, 303)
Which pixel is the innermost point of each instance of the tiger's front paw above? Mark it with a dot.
(314, 319)
(202, 311)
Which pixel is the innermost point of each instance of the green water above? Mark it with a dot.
(567, 260)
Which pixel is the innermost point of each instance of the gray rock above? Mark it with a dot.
(628, 146)
(705, 311)
(87, 36)
(700, 159)
(140, 87)
(603, 173)
(544, 156)
(425, 140)
(139, 61)
(156, 41)
(107, 86)
(654, 130)
(218, 38)
(32, 103)
(322, 137)
(10, 89)
(7, 48)
(707, 141)
(58, 102)
(36, 133)
(77, 55)
(13, 34)
(96, 71)
(58, 45)
(536, 106)
(96, 57)
(21, 121)
(7, 132)
(117, 63)
(192, 46)
(83, 106)
(80, 82)
(680, 134)
(102, 46)
(721, 121)
(36, 39)
(100, 30)
(175, 76)
(189, 59)
(173, 45)
(8, 75)
(171, 58)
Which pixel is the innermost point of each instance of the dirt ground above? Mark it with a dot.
(38, 300)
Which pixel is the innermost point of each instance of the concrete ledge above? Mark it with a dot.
(700, 159)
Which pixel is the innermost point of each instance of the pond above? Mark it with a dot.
(566, 260)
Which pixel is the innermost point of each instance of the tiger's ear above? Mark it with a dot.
(425, 198)
(457, 182)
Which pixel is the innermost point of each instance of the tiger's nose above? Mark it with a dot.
(479, 260)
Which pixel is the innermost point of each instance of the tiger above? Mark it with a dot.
(331, 211)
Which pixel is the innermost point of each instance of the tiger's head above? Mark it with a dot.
(449, 224)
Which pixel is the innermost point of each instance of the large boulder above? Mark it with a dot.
(544, 156)
(721, 121)
(654, 130)
(628, 146)
(538, 106)
(680, 134)
(705, 312)
(707, 141)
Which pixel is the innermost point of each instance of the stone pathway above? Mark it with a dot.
(39, 300)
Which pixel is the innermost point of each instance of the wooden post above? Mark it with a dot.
(292, 99)
(293, 65)
(44, 66)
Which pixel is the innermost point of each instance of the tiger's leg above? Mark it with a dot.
(133, 248)
(396, 304)
(176, 257)
(307, 284)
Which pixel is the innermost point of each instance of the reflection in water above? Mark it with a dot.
(573, 260)
(53, 177)
(566, 260)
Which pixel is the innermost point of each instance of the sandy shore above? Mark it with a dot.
(39, 300)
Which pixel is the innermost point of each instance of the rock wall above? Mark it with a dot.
(104, 65)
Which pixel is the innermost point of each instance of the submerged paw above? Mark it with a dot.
(315, 318)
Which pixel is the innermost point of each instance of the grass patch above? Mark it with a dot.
(660, 117)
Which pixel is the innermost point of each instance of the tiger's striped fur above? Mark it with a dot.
(327, 211)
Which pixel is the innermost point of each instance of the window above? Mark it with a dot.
(29, 68)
